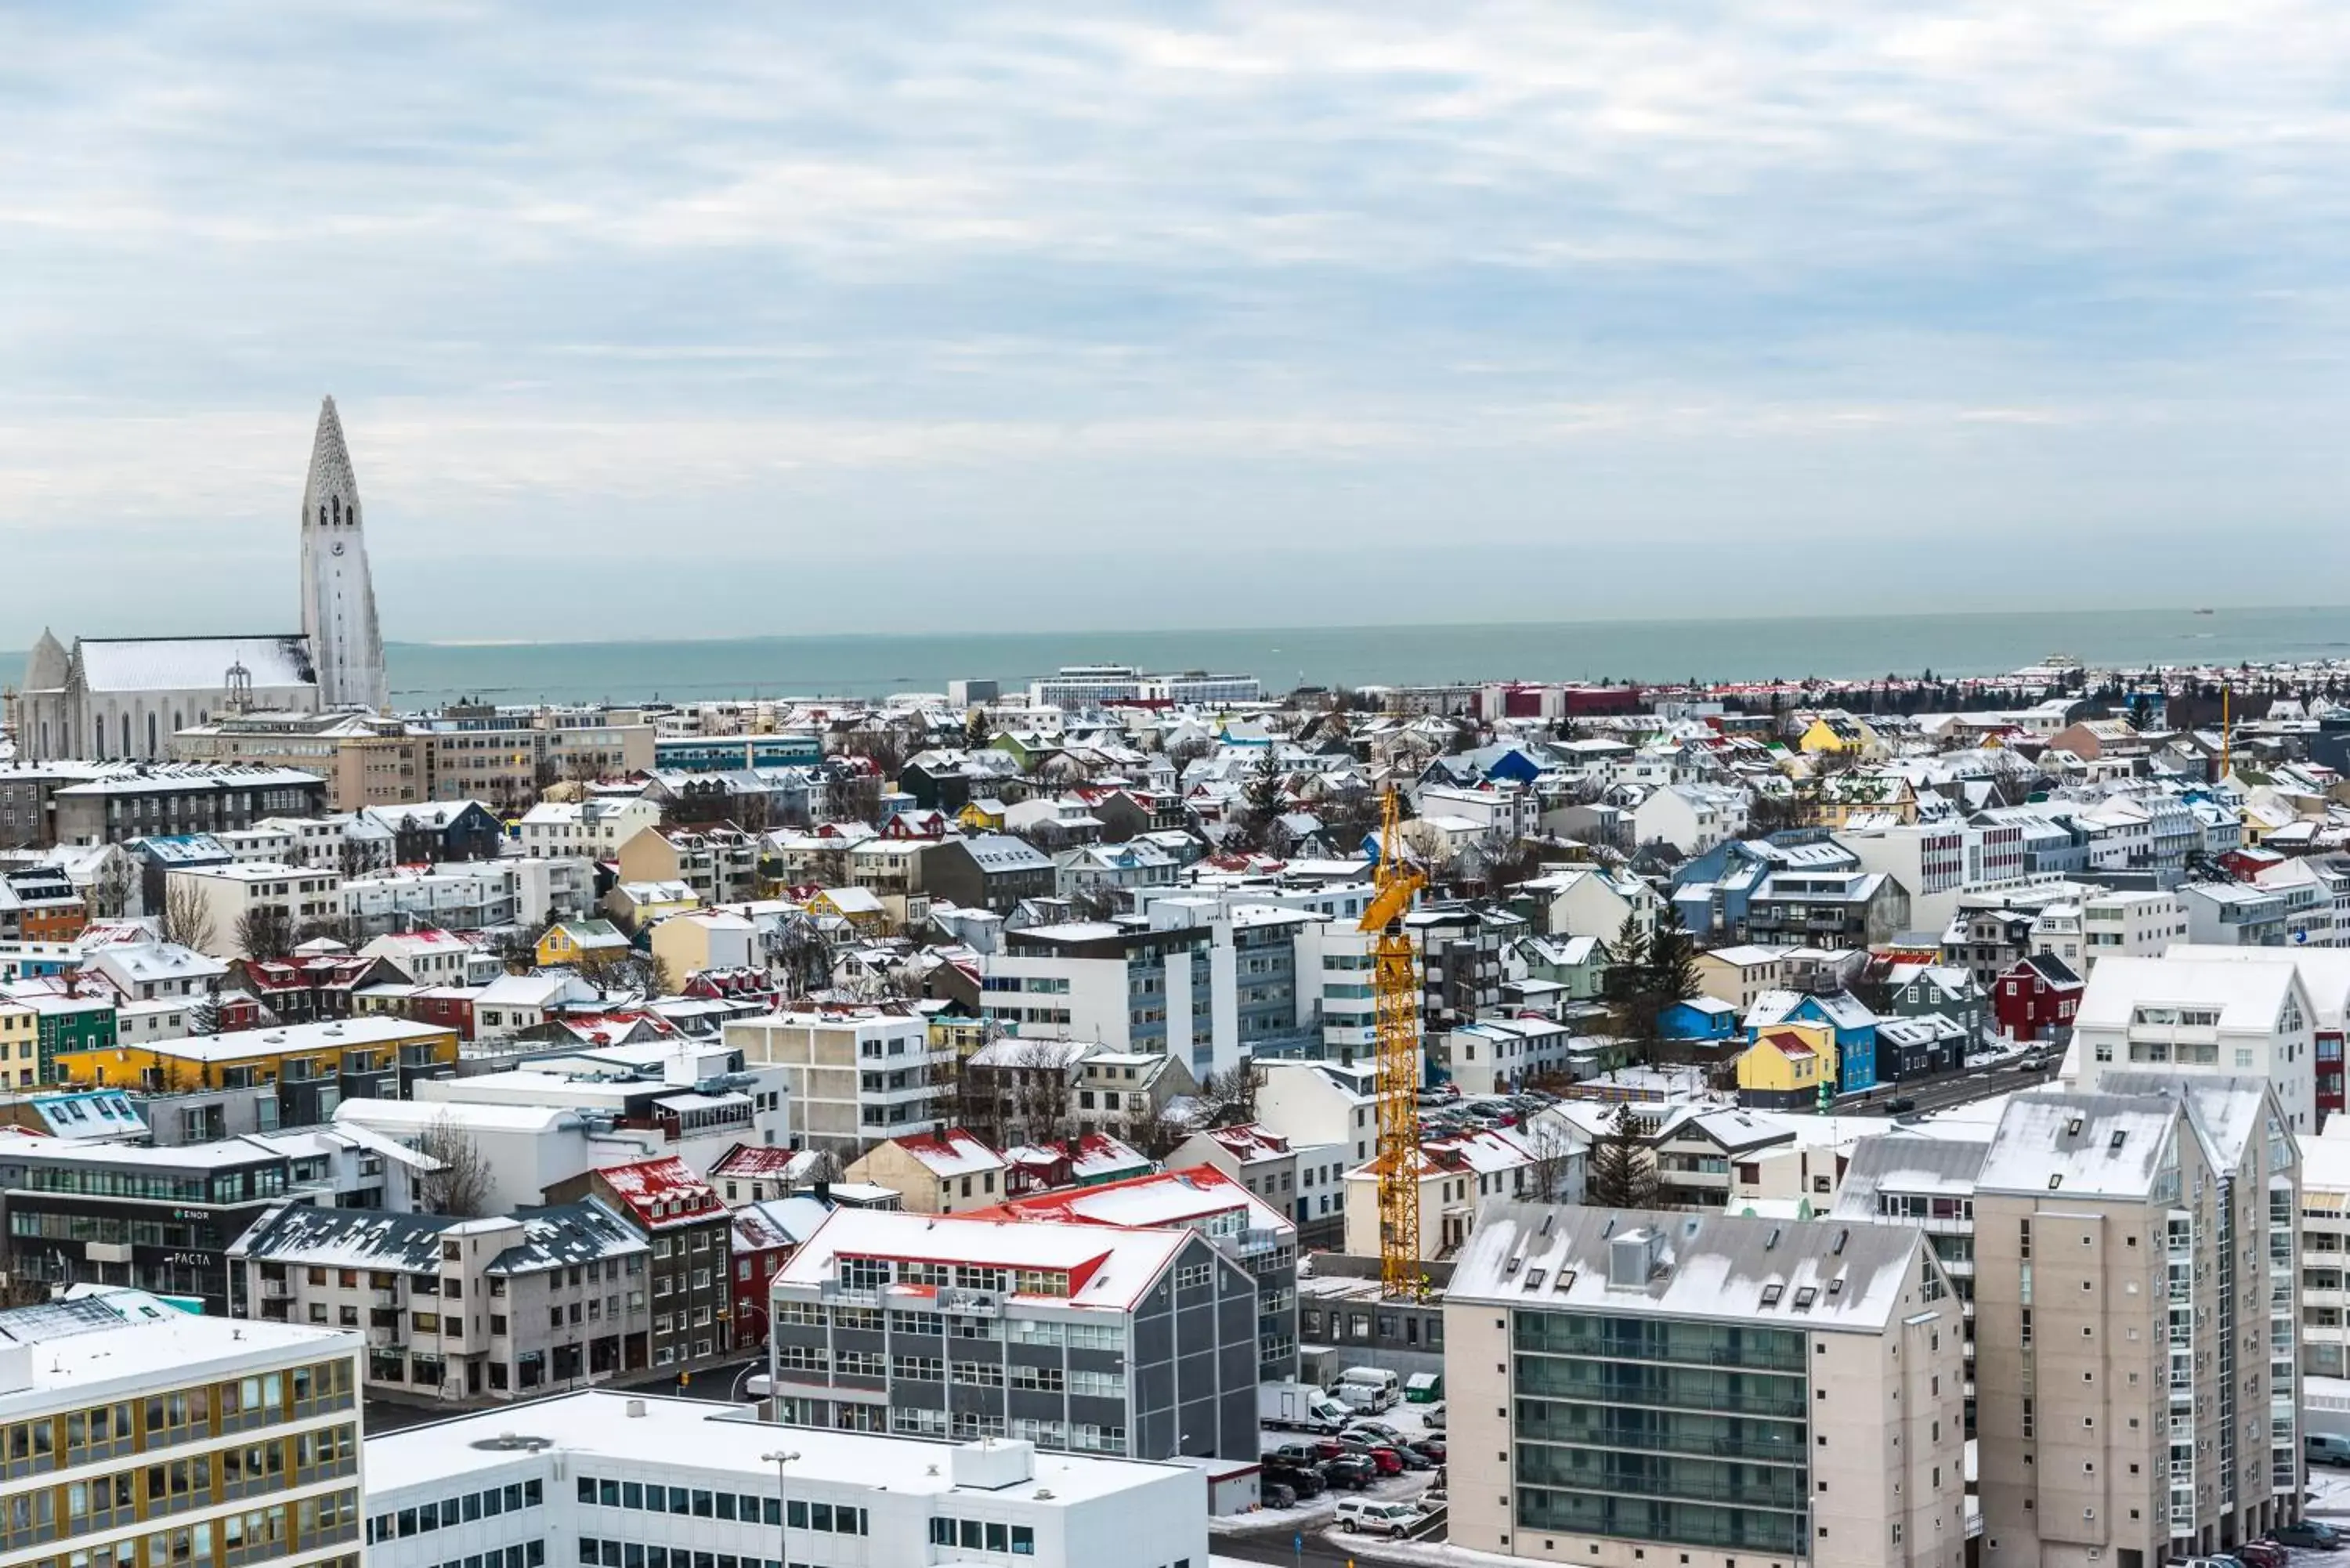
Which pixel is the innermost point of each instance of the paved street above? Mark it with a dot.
(1942, 1094)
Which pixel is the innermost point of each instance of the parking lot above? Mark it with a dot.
(1312, 1515)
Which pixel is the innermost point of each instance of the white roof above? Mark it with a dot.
(193, 663)
(2249, 992)
(1118, 1264)
(419, 1463)
(2325, 971)
(293, 1039)
(406, 1115)
(147, 1344)
(1759, 1272)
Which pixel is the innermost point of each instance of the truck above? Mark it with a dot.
(1298, 1408)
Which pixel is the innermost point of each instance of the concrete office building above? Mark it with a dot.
(1091, 1339)
(141, 1434)
(1734, 1391)
(639, 1482)
(2135, 1275)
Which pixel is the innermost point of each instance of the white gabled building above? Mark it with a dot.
(2239, 1014)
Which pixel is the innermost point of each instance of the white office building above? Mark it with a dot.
(601, 1480)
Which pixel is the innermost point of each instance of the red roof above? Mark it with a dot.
(662, 1191)
(1790, 1045)
(756, 1160)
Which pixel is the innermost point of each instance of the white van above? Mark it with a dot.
(1368, 1388)
(1372, 1518)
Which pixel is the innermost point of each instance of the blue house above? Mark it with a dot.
(1854, 1024)
(1700, 1020)
(1712, 890)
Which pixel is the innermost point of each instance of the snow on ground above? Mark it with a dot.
(2329, 1491)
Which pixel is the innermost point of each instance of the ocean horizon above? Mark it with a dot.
(877, 664)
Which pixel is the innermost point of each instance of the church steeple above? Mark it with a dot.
(338, 594)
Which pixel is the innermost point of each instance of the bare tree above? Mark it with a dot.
(1155, 1134)
(265, 932)
(187, 916)
(1549, 1175)
(332, 928)
(630, 971)
(462, 1184)
(109, 893)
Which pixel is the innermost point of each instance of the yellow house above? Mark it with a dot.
(20, 1045)
(1784, 1068)
(983, 815)
(861, 907)
(1838, 733)
(1844, 796)
(572, 941)
(361, 1058)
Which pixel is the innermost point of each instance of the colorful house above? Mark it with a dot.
(20, 1045)
(1785, 1066)
(2036, 997)
(70, 1023)
(1701, 1021)
(1852, 1030)
(1838, 733)
(981, 814)
(570, 941)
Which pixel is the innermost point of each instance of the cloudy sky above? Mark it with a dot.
(715, 319)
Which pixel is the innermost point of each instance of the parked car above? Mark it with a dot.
(1900, 1104)
(1306, 1481)
(1327, 1447)
(1410, 1457)
(1390, 1462)
(1428, 1449)
(1374, 1518)
(1386, 1432)
(2326, 1449)
(2310, 1534)
(2262, 1554)
(1434, 1498)
(1351, 1472)
(1432, 1417)
(1278, 1494)
(1291, 1454)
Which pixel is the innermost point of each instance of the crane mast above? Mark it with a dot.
(1395, 982)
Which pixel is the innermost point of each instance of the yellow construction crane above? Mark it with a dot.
(1394, 981)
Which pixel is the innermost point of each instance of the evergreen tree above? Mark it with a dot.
(1670, 971)
(1619, 1174)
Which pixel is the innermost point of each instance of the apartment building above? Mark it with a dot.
(365, 760)
(689, 1275)
(2326, 1251)
(1244, 1225)
(451, 1308)
(2221, 1016)
(227, 894)
(1924, 1183)
(314, 1067)
(142, 1434)
(681, 1483)
(2135, 1271)
(1727, 1389)
(1079, 1338)
(1456, 1175)
(854, 1078)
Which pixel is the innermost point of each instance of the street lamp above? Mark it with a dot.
(779, 1458)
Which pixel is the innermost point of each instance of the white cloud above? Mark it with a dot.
(569, 270)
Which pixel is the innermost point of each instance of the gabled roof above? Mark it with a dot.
(950, 1152)
(1108, 1268)
(1769, 1274)
(662, 1192)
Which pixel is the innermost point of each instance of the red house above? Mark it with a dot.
(2036, 998)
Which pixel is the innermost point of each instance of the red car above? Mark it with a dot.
(1387, 1459)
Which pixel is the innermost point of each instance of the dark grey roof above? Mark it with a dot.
(556, 1236)
(562, 1234)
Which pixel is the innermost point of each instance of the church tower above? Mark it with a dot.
(338, 596)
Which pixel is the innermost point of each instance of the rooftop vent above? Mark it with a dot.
(517, 1443)
(1634, 1258)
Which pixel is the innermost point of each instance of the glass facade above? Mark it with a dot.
(1661, 1430)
